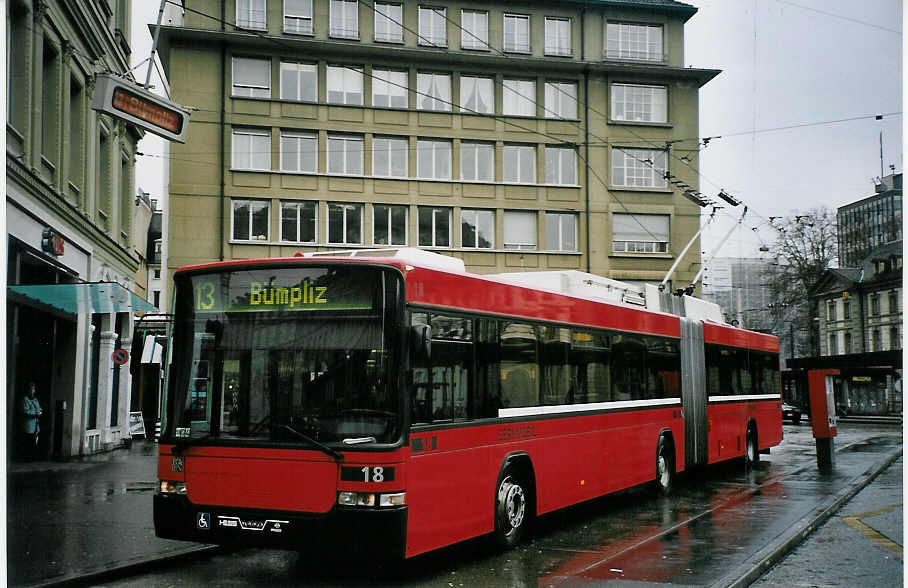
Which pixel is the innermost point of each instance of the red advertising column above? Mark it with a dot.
(822, 415)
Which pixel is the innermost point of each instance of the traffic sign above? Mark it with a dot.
(120, 356)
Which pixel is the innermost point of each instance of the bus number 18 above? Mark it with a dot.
(373, 474)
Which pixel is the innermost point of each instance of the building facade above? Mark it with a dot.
(869, 223)
(70, 210)
(531, 136)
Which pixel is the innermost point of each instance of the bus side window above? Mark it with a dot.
(488, 370)
(519, 365)
(628, 369)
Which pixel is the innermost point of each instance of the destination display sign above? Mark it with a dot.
(285, 290)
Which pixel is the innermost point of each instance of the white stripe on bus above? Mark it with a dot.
(590, 407)
(742, 398)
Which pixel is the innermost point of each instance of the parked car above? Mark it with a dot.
(791, 412)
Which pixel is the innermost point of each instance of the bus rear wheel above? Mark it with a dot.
(511, 506)
(751, 449)
(665, 466)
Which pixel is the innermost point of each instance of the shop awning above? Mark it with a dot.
(99, 297)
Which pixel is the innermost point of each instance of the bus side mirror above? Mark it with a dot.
(421, 342)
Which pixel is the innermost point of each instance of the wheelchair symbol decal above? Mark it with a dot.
(204, 521)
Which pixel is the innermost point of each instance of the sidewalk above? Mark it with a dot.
(66, 520)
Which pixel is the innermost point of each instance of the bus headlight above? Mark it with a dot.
(370, 499)
(170, 487)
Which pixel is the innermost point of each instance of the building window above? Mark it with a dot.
(344, 19)
(157, 274)
(389, 88)
(893, 302)
(477, 162)
(18, 73)
(476, 95)
(345, 85)
(517, 33)
(345, 155)
(848, 344)
(518, 164)
(433, 26)
(518, 97)
(640, 233)
(895, 342)
(389, 20)
(875, 304)
(389, 225)
(345, 223)
(560, 100)
(519, 229)
(389, 157)
(299, 81)
(638, 168)
(846, 309)
(433, 159)
(474, 26)
(830, 310)
(76, 141)
(634, 103)
(433, 91)
(299, 152)
(250, 220)
(477, 229)
(299, 221)
(434, 227)
(251, 150)
(156, 298)
(876, 340)
(298, 17)
(557, 36)
(251, 77)
(560, 231)
(633, 41)
(50, 95)
(833, 344)
(560, 166)
(250, 14)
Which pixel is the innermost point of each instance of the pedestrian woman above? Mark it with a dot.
(30, 410)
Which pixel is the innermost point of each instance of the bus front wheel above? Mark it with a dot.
(511, 505)
(665, 466)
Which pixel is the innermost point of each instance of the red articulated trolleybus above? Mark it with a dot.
(393, 403)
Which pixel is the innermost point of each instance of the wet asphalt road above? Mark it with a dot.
(713, 522)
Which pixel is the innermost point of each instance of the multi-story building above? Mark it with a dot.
(516, 136)
(69, 209)
(738, 286)
(871, 222)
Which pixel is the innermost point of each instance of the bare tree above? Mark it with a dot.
(805, 247)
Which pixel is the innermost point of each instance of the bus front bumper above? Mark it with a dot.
(371, 532)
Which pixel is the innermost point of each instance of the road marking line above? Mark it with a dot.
(885, 542)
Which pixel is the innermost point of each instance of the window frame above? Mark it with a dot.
(298, 67)
(390, 156)
(346, 140)
(476, 90)
(640, 105)
(338, 32)
(250, 216)
(471, 40)
(429, 40)
(252, 88)
(479, 216)
(559, 180)
(476, 158)
(392, 23)
(520, 98)
(559, 102)
(558, 218)
(299, 17)
(252, 24)
(344, 70)
(439, 102)
(250, 132)
(623, 53)
(298, 204)
(390, 222)
(300, 136)
(434, 209)
(515, 48)
(518, 167)
(656, 174)
(345, 207)
(435, 143)
(507, 228)
(556, 51)
(391, 86)
(640, 246)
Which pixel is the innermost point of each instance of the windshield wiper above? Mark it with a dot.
(337, 455)
(181, 446)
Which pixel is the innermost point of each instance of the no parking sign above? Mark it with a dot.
(120, 356)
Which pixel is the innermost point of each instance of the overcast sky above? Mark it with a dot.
(785, 63)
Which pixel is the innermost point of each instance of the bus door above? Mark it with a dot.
(693, 392)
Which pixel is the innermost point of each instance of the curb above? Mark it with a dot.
(757, 565)
(145, 564)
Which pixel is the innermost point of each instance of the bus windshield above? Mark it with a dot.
(300, 356)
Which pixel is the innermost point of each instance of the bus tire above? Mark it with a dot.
(751, 448)
(511, 508)
(665, 466)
